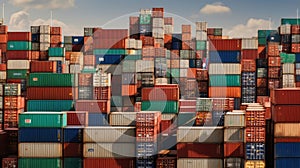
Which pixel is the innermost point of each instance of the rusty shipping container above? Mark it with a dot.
(51, 93)
(109, 162)
(55, 30)
(18, 55)
(93, 105)
(199, 150)
(286, 113)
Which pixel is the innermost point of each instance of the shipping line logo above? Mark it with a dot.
(130, 71)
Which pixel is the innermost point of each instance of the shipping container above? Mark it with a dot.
(255, 134)
(225, 80)
(51, 93)
(254, 164)
(235, 119)
(37, 162)
(73, 162)
(217, 92)
(224, 69)
(18, 64)
(109, 162)
(56, 52)
(50, 105)
(234, 134)
(255, 151)
(234, 163)
(285, 96)
(40, 150)
(49, 79)
(108, 150)
(200, 134)
(199, 150)
(249, 43)
(196, 163)
(163, 106)
(160, 93)
(287, 162)
(73, 134)
(18, 45)
(255, 117)
(97, 119)
(42, 119)
(249, 54)
(93, 105)
(286, 130)
(19, 36)
(122, 118)
(228, 44)
(17, 73)
(40, 135)
(234, 150)
(224, 56)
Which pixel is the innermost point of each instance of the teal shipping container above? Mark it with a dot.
(291, 21)
(162, 106)
(50, 79)
(287, 58)
(40, 163)
(56, 52)
(43, 119)
(16, 74)
(133, 57)
(225, 80)
(201, 45)
(173, 72)
(18, 45)
(109, 52)
(50, 105)
(145, 19)
(73, 163)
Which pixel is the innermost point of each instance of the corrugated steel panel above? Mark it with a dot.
(233, 119)
(255, 151)
(232, 134)
(40, 135)
(199, 150)
(50, 105)
(224, 69)
(109, 150)
(285, 96)
(249, 43)
(287, 150)
(37, 162)
(229, 92)
(287, 130)
(40, 150)
(288, 68)
(18, 64)
(196, 163)
(144, 66)
(116, 134)
(224, 56)
(43, 119)
(73, 162)
(122, 118)
(200, 134)
(109, 162)
(234, 149)
(287, 162)
(288, 81)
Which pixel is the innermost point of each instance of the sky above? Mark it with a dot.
(238, 18)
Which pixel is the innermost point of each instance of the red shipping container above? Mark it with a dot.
(19, 36)
(248, 65)
(225, 44)
(210, 31)
(55, 30)
(146, 134)
(18, 55)
(85, 79)
(166, 127)
(166, 162)
(89, 60)
(249, 54)
(10, 162)
(13, 102)
(199, 150)
(262, 82)
(43, 66)
(12, 115)
(2, 67)
(4, 142)
(77, 118)
(102, 93)
(296, 48)
(129, 90)
(191, 73)
(234, 150)
(295, 29)
(68, 55)
(297, 84)
(51, 93)
(160, 94)
(255, 134)
(102, 106)
(35, 55)
(255, 118)
(167, 38)
(201, 74)
(274, 61)
(111, 33)
(220, 104)
(286, 139)
(3, 38)
(3, 29)
(56, 39)
(147, 41)
(268, 113)
(273, 49)
(73, 149)
(183, 103)
(274, 72)
(157, 14)
(109, 162)
(286, 113)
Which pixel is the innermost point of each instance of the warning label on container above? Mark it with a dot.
(28, 121)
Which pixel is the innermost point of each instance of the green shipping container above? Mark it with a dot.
(109, 52)
(201, 45)
(50, 105)
(43, 119)
(133, 57)
(145, 19)
(56, 52)
(291, 21)
(225, 80)
(287, 58)
(162, 106)
(262, 41)
(175, 73)
(18, 45)
(89, 71)
(40, 163)
(218, 32)
(265, 33)
(16, 74)
(73, 163)
(50, 79)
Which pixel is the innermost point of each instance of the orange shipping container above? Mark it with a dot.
(234, 149)
(2, 67)
(129, 90)
(3, 38)
(274, 61)
(68, 55)
(295, 29)
(273, 49)
(261, 82)
(160, 93)
(168, 38)
(261, 52)
(13, 102)
(296, 48)
(191, 73)
(248, 65)
(255, 134)
(35, 55)
(12, 115)
(229, 92)
(56, 39)
(187, 45)
(55, 30)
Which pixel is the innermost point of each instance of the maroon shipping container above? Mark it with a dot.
(274, 72)
(3, 142)
(286, 139)
(255, 118)
(255, 134)
(93, 105)
(3, 29)
(210, 31)
(43, 55)
(102, 93)
(202, 74)
(77, 118)
(19, 36)
(295, 29)
(160, 94)
(166, 162)
(13, 102)
(51, 93)
(203, 87)
(109, 162)
(43, 66)
(234, 150)
(225, 44)
(250, 54)
(166, 126)
(89, 60)
(248, 65)
(222, 104)
(85, 79)
(187, 103)
(73, 149)
(146, 134)
(55, 30)
(286, 47)
(18, 55)
(199, 150)
(289, 96)
(286, 113)
(10, 162)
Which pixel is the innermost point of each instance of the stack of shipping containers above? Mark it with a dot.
(3, 42)
(45, 40)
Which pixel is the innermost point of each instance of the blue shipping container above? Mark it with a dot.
(274, 37)
(176, 38)
(224, 56)
(287, 162)
(108, 59)
(297, 78)
(148, 162)
(297, 57)
(73, 134)
(77, 40)
(98, 119)
(255, 151)
(176, 45)
(58, 67)
(289, 149)
(40, 135)
(35, 38)
(218, 118)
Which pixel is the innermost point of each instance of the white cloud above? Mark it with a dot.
(249, 29)
(42, 4)
(19, 21)
(215, 8)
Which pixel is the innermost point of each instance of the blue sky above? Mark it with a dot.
(237, 17)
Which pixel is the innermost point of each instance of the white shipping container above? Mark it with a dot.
(288, 81)
(1, 103)
(44, 29)
(116, 134)
(18, 64)
(183, 73)
(145, 11)
(75, 68)
(249, 43)
(199, 163)
(233, 134)
(200, 134)
(158, 32)
(202, 26)
(287, 130)
(144, 66)
(62, 59)
(138, 44)
(161, 81)
(113, 69)
(297, 71)
(201, 35)
(1, 89)
(224, 69)
(130, 43)
(122, 118)
(158, 22)
(35, 29)
(288, 68)
(40, 150)
(297, 65)
(2, 75)
(285, 29)
(184, 63)
(234, 119)
(168, 116)
(102, 80)
(44, 46)
(108, 150)
(160, 42)
(45, 38)
(168, 29)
